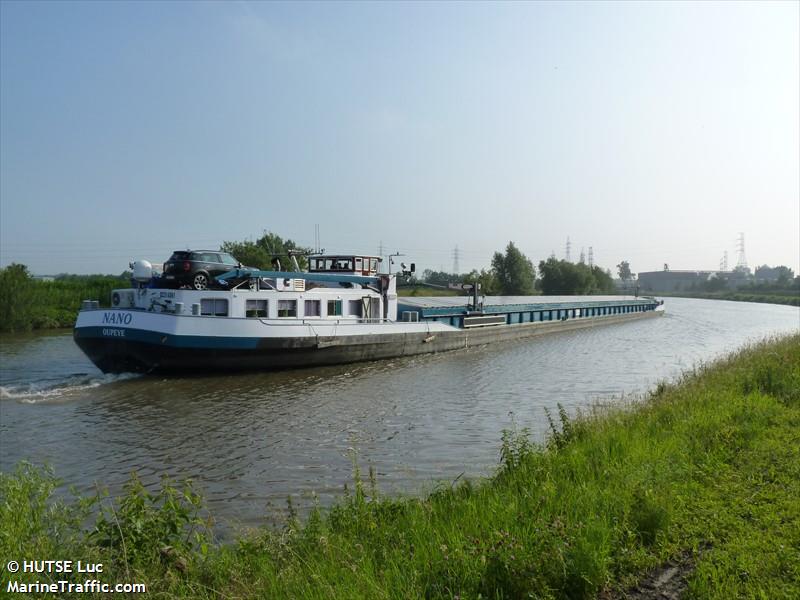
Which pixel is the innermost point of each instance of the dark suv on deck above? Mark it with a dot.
(198, 268)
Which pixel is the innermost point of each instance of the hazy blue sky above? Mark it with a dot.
(652, 132)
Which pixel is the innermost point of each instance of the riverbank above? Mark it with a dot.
(705, 473)
(781, 297)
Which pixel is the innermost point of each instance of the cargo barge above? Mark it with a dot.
(342, 310)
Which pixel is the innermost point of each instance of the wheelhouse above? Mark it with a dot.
(345, 264)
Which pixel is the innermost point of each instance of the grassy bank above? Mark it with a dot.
(27, 303)
(710, 463)
(780, 297)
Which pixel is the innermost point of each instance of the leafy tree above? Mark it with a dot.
(624, 270)
(603, 281)
(781, 274)
(514, 272)
(785, 274)
(486, 279)
(262, 252)
(560, 277)
(248, 253)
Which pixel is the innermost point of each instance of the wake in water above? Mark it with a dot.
(48, 390)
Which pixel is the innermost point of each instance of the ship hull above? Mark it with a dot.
(161, 346)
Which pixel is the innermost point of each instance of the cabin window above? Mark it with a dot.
(373, 265)
(334, 308)
(343, 264)
(359, 265)
(287, 308)
(311, 308)
(214, 307)
(255, 308)
(354, 307)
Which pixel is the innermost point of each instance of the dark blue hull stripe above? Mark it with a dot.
(167, 339)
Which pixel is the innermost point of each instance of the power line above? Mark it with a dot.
(456, 267)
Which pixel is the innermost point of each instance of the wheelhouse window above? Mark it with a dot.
(334, 308)
(214, 307)
(256, 308)
(287, 308)
(311, 308)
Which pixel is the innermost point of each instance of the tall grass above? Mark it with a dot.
(27, 303)
(710, 462)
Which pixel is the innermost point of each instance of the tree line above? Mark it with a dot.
(513, 274)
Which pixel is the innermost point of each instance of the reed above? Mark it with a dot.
(710, 462)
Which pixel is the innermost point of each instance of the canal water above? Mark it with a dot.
(249, 441)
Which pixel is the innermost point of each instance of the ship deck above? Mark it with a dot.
(430, 307)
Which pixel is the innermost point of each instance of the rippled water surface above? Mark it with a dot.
(252, 440)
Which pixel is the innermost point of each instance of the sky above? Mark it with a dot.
(650, 132)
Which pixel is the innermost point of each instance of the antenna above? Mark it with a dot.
(456, 255)
(316, 239)
(741, 261)
(392, 257)
(567, 254)
(591, 257)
